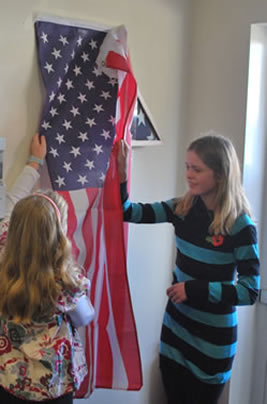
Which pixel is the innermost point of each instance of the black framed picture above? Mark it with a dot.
(143, 129)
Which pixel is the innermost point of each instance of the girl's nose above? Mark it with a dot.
(189, 173)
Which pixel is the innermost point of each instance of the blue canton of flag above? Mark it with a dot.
(79, 113)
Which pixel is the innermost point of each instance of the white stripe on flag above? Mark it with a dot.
(94, 226)
(81, 204)
(118, 111)
(120, 379)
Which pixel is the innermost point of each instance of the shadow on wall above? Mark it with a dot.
(25, 120)
(156, 395)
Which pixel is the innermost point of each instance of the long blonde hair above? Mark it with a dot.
(37, 259)
(218, 153)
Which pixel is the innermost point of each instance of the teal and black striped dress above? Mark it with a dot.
(219, 272)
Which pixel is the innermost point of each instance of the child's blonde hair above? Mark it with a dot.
(219, 154)
(37, 259)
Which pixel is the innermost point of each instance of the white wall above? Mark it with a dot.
(158, 34)
(217, 99)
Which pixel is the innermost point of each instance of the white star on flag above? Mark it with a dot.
(82, 98)
(52, 96)
(49, 67)
(77, 70)
(141, 118)
(56, 53)
(53, 152)
(112, 120)
(67, 166)
(90, 122)
(98, 149)
(75, 151)
(105, 95)
(97, 72)
(85, 57)
(89, 84)
(64, 40)
(93, 44)
(61, 98)
(102, 177)
(60, 181)
(69, 84)
(67, 124)
(82, 179)
(98, 108)
(79, 41)
(83, 136)
(59, 82)
(105, 134)
(44, 37)
(90, 164)
(75, 111)
(53, 111)
(60, 138)
(46, 125)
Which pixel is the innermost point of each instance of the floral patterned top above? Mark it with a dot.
(43, 360)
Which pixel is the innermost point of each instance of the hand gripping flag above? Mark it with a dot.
(90, 99)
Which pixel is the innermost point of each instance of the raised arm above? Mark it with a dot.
(122, 161)
(29, 175)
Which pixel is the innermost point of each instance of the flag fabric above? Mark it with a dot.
(89, 104)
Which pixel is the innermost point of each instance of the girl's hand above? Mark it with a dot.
(37, 149)
(122, 160)
(38, 146)
(177, 292)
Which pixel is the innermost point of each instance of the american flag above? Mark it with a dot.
(89, 104)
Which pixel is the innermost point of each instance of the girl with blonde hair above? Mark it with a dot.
(217, 269)
(43, 298)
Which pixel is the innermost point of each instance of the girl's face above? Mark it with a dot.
(201, 179)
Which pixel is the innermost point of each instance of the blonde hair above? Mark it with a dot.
(37, 259)
(218, 153)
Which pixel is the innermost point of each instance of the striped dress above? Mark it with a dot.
(220, 273)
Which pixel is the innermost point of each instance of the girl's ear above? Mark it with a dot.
(218, 181)
(218, 177)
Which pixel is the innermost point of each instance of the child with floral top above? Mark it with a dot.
(43, 296)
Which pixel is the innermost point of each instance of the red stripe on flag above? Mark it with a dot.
(118, 282)
(104, 358)
(116, 61)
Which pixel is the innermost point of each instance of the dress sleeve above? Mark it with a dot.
(69, 297)
(21, 188)
(157, 212)
(246, 255)
(83, 313)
